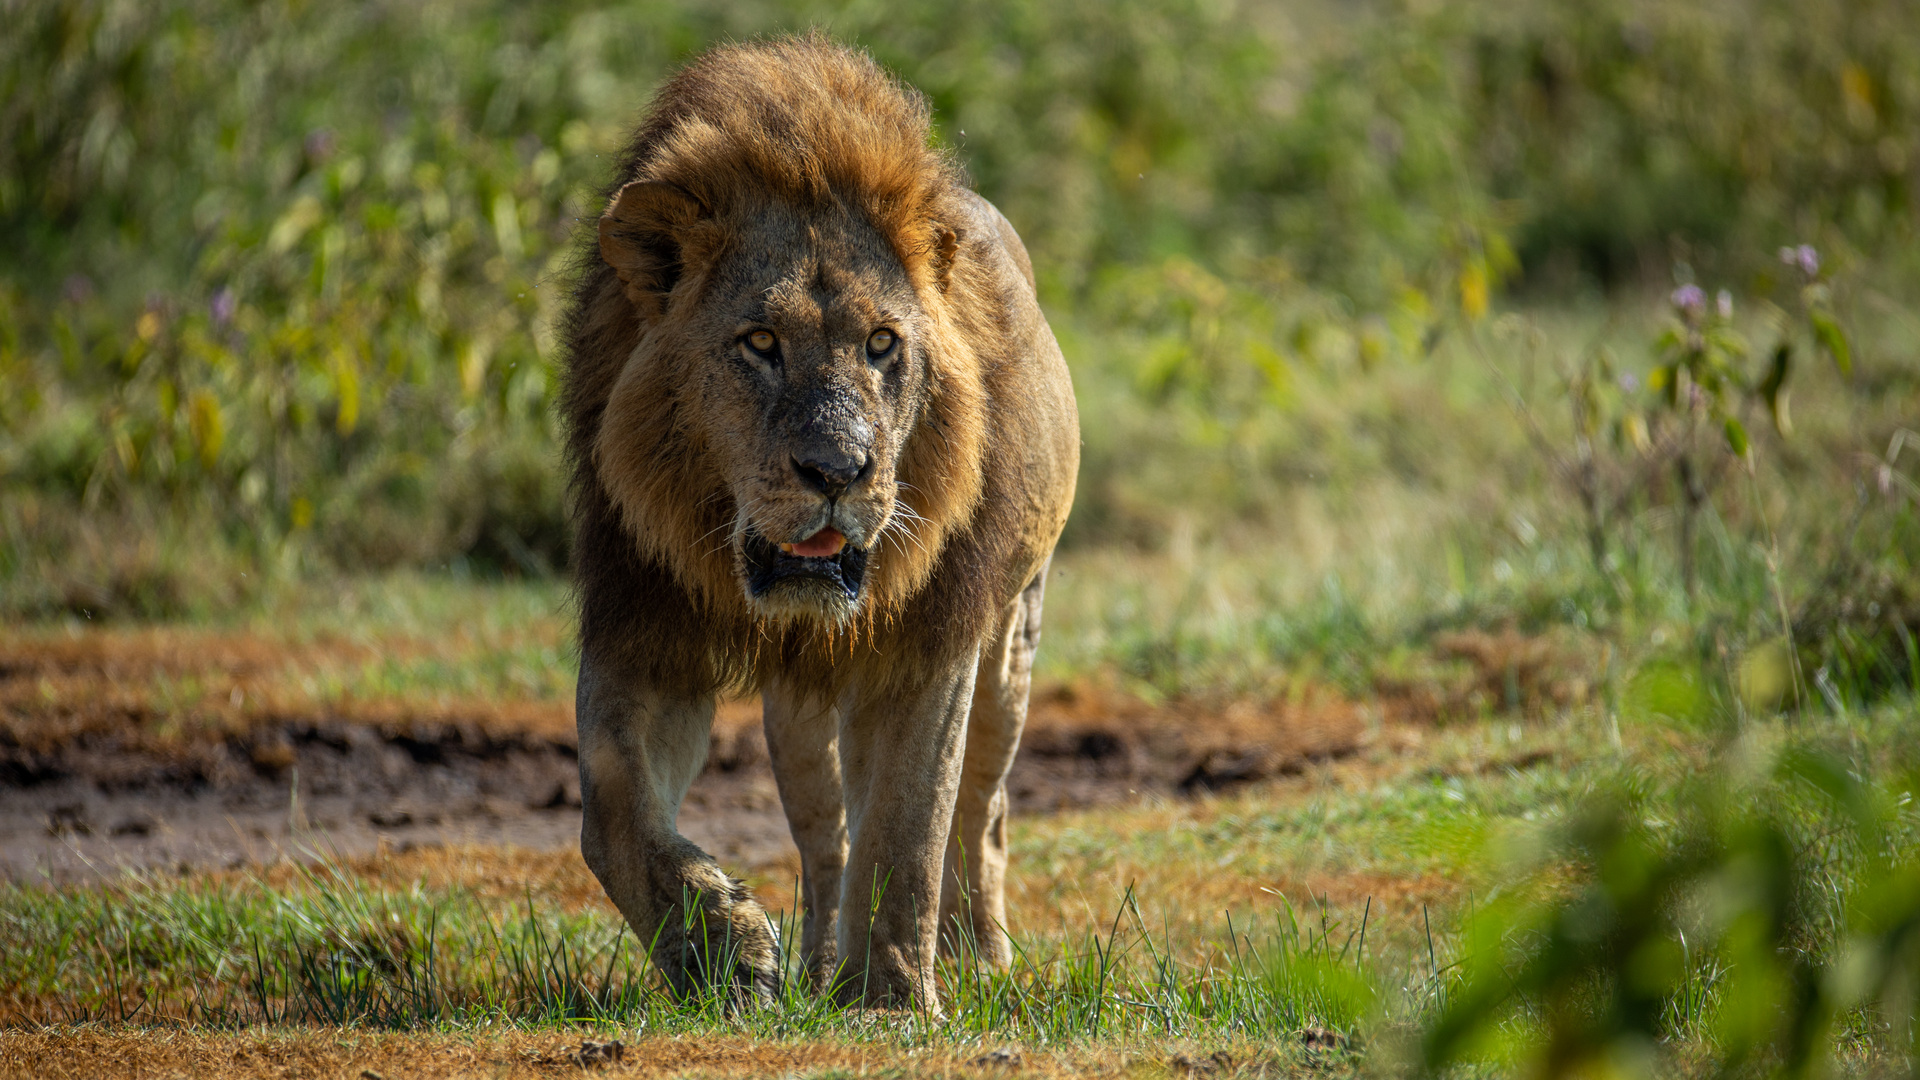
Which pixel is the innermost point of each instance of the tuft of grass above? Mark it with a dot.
(329, 949)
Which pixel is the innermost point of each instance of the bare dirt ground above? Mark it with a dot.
(353, 1053)
(169, 751)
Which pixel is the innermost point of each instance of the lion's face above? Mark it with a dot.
(799, 368)
(813, 379)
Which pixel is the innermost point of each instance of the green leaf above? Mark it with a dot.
(1736, 436)
(1833, 339)
(1777, 370)
(1773, 389)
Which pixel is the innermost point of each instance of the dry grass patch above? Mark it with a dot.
(156, 689)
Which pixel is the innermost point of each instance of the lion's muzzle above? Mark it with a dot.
(770, 566)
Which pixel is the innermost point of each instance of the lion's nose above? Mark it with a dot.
(831, 474)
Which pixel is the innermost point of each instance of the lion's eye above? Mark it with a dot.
(880, 343)
(761, 341)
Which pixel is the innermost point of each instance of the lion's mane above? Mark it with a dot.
(813, 125)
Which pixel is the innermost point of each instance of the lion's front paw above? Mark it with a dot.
(719, 941)
(892, 978)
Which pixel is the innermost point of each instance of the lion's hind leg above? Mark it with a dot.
(973, 907)
(639, 751)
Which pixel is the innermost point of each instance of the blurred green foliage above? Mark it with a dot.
(278, 279)
(1767, 908)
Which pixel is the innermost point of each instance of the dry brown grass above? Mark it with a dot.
(169, 690)
(1060, 896)
(1472, 673)
(1305, 745)
(162, 686)
(156, 689)
(174, 694)
(1310, 721)
(1187, 899)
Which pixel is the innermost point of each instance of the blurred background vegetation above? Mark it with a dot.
(1363, 303)
(277, 279)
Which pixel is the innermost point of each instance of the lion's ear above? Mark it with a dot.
(642, 236)
(946, 248)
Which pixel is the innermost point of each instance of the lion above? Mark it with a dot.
(822, 444)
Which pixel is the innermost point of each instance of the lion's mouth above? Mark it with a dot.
(823, 558)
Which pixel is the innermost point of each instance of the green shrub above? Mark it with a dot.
(1759, 914)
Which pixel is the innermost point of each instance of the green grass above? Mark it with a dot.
(328, 948)
(477, 641)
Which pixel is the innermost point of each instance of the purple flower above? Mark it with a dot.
(1628, 382)
(1689, 300)
(222, 306)
(318, 145)
(1804, 257)
(1724, 303)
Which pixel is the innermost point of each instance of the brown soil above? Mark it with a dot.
(158, 750)
(347, 1053)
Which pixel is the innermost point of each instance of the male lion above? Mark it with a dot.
(822, 445)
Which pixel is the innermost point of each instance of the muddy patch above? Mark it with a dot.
(93, 780)
(96, 804)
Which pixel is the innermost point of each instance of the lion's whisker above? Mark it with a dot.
(896, 526)
(725, 526)
(903, 512)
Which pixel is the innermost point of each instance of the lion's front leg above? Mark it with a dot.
(801, 740)
(900, 755)
(639, 751)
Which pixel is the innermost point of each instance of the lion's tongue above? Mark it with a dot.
(824, 544)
